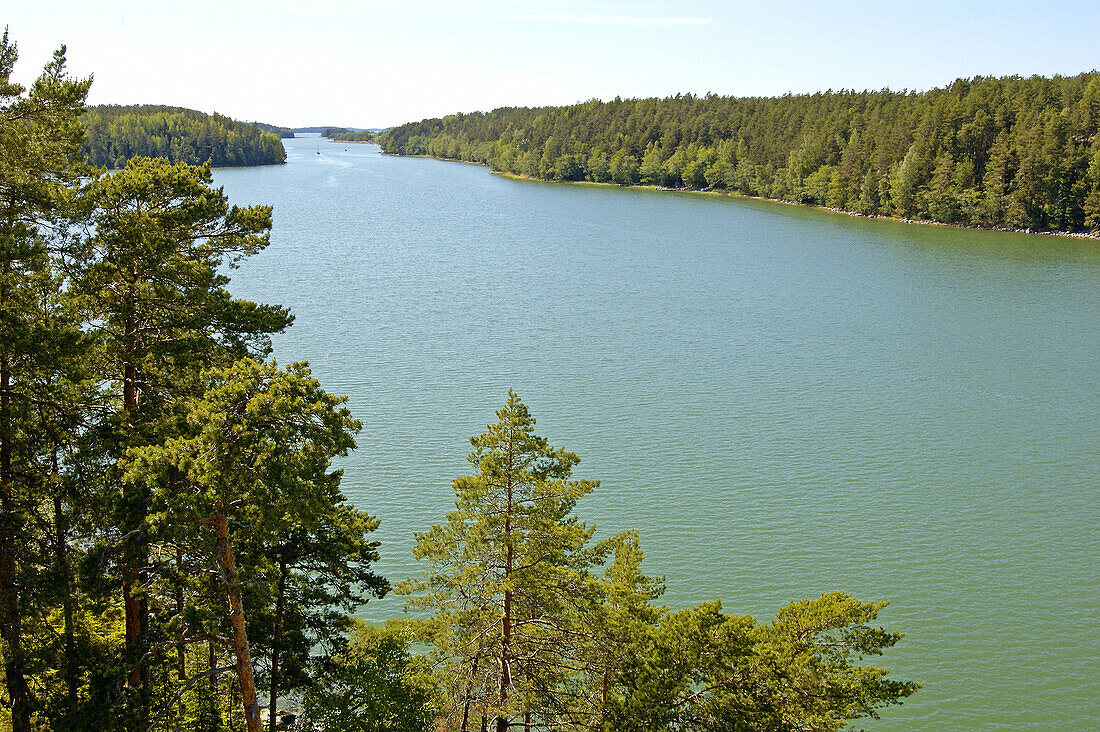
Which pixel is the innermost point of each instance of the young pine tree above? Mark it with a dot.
(507, 575)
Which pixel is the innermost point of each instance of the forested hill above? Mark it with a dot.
(116, 133)
(994, 152)
(340, 134)
(284, 133)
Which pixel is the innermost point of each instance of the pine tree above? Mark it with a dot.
(255, 463)
(321, 574)
(701, 669)
(149, 280)
(507, 574)
(39, 168)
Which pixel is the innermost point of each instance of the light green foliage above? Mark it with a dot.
(376, 684)
(530, 622)
(906, 181)
(624, 168)
(699, 669)
(811, 652)
(508, 572)
(652, 166)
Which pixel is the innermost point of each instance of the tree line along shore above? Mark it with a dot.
(115, 134)
(176, 551)
(1012, 153)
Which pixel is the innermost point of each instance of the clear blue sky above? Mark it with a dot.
(382, 62)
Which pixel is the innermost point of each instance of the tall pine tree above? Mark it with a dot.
(39, 164)
(508, 573)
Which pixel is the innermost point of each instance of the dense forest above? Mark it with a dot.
(320, 129)
(340, 134)
(284, 133)
(176, 552)
(992, 152)
(115, 134)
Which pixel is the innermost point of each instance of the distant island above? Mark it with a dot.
(284, 133)
(115, 134)
(343, 134)
(988, 152)
(323, 129)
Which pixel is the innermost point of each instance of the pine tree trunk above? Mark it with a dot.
(209, 708)
(10, 619)
(506, 648)
(276, 646)
(133, 554)
(181, 652)
(236, 617)
(506, 622)
(65, 580)
(506, 611)
(469, 691)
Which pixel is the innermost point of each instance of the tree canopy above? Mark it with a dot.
(992, 152)
(339, 134)
(532, 623)
(115, 134)
(140, 559)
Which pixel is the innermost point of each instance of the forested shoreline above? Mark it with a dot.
(341, 134)
(986, 152)
(115, 134)
(284, 133)
(176, 552)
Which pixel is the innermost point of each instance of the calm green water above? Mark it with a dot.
(783, 401)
